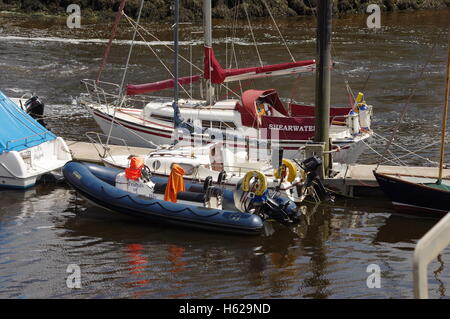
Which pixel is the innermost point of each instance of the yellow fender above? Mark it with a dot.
(292, 170)
(262, 179)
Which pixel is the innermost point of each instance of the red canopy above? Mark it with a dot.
(161, 85)
(247, 108)
(214, 71)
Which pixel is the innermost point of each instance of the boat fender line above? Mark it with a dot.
(262, 182)
(156, 202)
(290, 166)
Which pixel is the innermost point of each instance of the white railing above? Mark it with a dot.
(25, 139)
(428, 248)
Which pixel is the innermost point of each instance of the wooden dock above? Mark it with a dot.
(90, 152)
(352, 180)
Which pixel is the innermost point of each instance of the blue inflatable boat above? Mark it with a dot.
(97, 184)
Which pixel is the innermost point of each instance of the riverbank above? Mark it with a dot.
(191, 10)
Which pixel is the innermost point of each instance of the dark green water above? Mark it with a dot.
(45, 229)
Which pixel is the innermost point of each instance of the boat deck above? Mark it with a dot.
(88, 152)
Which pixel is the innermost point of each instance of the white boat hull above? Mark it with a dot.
(21, 170)
(152, 134)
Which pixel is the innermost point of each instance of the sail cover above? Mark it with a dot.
(160, 85)
(214, 71)
(18, 130)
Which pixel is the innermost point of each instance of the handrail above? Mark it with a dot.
(26, 138)
(106, 148)
(428, 247)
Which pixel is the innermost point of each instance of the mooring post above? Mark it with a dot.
(323, 78)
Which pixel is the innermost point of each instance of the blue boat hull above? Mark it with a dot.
(96, 183)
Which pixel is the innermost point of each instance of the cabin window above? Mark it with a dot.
(218, 124)
(156, 165)
(188, 168)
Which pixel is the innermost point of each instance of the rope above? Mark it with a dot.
(156, 55)
(251, 32)
(405, 108)
(112, 123)
(279, 32)
(168, 47)
(131, 48)
(411, 152)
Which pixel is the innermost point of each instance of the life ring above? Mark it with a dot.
(262, 181)
(292, 170)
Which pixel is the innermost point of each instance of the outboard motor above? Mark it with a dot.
(35, 108)
(313, 182)
(280, 209)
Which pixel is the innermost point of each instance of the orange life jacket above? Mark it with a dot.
(134, 171)
(175, 184)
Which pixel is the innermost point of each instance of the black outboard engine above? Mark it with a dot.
(310, 166)
(285, 213)
(280, 209)
(35, 108)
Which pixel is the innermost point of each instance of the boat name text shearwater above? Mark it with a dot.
(291, 128)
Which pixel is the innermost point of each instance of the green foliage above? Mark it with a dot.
(191, 10)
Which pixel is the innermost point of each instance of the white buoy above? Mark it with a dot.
(353, 122)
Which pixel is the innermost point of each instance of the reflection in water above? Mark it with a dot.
(178, 266)
(175, 254)
(318, 230)
(138, 264)
(441, 288)
(325, 255)
(402, 229)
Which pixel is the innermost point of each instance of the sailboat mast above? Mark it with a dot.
(207, 30)
(176, 51)
(323, 76)
(444, 119)
(176, 110)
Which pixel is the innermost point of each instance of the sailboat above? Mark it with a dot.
(421, 194)
(170, 200)
(255, 115)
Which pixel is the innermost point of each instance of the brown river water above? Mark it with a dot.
(44, 229)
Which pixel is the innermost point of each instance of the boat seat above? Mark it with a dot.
(191, 197)
(160, 188)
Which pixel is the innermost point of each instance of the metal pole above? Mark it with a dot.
(177, 116)
(444, 119)
(175, 36)
(323, 77)
(207, 26)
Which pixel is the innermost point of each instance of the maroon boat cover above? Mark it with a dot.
(247, 107)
